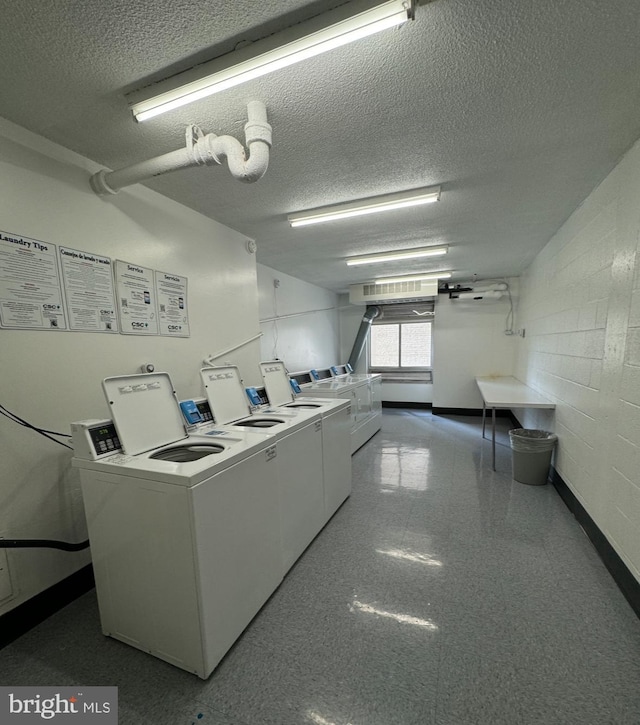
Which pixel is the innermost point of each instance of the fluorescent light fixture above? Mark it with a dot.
(398, 256)
(414, 278)
(373, 205)
(361, 25)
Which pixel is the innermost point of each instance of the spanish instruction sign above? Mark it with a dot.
(136, 299)
(171, 293)
(89, 293)
(30, 289)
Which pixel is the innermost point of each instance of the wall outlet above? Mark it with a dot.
(6, 589)
(521, 332)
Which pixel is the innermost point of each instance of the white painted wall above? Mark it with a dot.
(581, 309)
(469, 341)
(299, 321)
(53, 378)
(407, 392)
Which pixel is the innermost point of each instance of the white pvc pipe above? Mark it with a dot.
(206, 149)
(105, 182)
(489, 287)
(489, 295)
(210, 359)
(296, 314)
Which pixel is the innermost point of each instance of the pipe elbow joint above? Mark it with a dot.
(201, 149)
(258, 131)
(247, 170)
(99, 183)
(255, 167)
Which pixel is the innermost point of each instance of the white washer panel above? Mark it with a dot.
(145, 411)
(181, 570)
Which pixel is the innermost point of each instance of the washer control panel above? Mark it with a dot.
(257, 396)
(94, 439)
(196, 411)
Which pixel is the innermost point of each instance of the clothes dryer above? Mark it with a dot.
(298, 436)
(184, 532)
(336, 429)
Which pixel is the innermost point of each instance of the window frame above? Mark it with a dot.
(400, 370)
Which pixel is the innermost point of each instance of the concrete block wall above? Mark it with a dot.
(580, 307)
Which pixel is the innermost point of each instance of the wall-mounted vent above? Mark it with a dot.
(360, 294)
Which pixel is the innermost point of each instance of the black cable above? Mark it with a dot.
(22, 421)
(16, 419)
(39, 543)
(42, 544)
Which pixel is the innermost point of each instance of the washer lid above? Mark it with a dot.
(225, 393)
(276, 381)
(145, 411)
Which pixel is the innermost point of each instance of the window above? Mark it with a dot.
(400, 345)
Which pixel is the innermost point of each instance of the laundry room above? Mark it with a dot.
(267, 348)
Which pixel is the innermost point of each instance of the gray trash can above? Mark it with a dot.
(531, 455)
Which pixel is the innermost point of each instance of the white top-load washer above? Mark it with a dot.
(364, 421)
(336, 429)
(345, 372)
(184, 532)
(298, 439)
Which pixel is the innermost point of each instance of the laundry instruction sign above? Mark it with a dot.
(59, 705)
(171, 294)
(136, 299)
(30, 288)
(88, 286)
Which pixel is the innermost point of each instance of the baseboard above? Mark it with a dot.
(401, 404)
(500, 413)
(626, 581)
(27, 615)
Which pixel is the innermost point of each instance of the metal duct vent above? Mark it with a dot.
(392, 292)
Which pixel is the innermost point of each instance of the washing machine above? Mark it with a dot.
(364, 421)
(336, 430)
(341, 370)
(345, 372)
(184, 531)
(298, 436)
(321, 374)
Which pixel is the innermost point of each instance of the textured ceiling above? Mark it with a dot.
(517, 109)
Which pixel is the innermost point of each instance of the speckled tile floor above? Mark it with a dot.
(441, 593)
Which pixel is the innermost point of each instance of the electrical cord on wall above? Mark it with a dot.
(42, 431)
(508, 323)
(276, 284)
(43, 544)
(39, 543)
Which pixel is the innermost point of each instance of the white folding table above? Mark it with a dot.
(506, 392)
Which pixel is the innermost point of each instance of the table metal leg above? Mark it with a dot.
(484, 416)
(493, 437)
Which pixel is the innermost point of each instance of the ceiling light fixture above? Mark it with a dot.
(397, 256)
(360, 25)
(414, 278)
(373, 205)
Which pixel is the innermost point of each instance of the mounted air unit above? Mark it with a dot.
(368, 293)
(480, 292)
